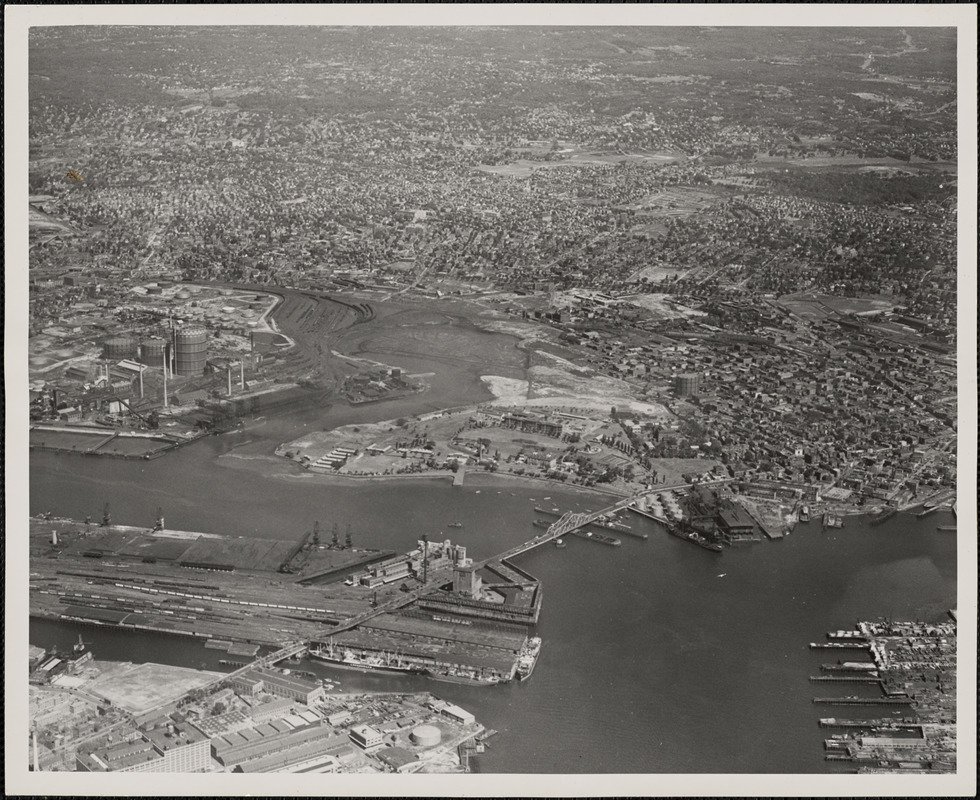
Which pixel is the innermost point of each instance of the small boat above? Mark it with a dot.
(560, 543)
(721, 575)
(455, 525)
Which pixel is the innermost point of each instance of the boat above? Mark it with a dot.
(527, 658)
(695, 538)
(465, 680)
(929, 504)
(927, 508)
(598, 537)
(833, 520)
(805, 514)
(455, 525)
(541, 523)
(362, 662)
(560, 543)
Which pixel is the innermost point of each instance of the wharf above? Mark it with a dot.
(840, 646)
(870, 724)
(863, 701)
(872, 678)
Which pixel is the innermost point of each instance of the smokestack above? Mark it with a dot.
(166, 400)
(229, 380)
(241, 374)
(141, 383)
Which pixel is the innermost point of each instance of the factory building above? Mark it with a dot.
(289, 686)
(366, 737)
(163, 748)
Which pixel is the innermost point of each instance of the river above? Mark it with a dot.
(658, 657)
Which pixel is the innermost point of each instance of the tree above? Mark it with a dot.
(219, 708)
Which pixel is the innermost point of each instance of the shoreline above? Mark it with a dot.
(481, 478)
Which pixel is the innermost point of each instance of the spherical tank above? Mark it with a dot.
(190, 351)
(119, 347)
(153, 352)
(426, 736)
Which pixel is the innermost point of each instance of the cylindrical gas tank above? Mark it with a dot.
(119, 347)
(190, 351)
(153, 352)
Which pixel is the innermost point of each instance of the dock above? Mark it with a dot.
(863, 701)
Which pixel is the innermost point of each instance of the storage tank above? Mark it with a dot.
(190, 351)
(153, 352)
(119, 347)
(687, 385)
(426, 736)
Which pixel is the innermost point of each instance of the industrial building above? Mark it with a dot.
(165, 747)
(366, 737)
(289, 686)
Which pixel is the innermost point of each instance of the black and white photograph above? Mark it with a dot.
(545, 400)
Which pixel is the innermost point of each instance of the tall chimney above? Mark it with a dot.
(229, 380)
(166, 400)
(141, 383)
(241, 374)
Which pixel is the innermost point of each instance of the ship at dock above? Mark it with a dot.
(528, 658)
(362, 661)
(689, 534)
(833, 520)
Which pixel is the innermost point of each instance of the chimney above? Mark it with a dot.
(166, 401)
(54, 538)
(229, 380)
(241, 374)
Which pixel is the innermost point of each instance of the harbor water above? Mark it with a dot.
(658, 657)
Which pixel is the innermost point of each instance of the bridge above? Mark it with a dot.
(573, 521)
(568, 523)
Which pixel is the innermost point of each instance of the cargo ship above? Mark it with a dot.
(695, 538)
(388, 663)
(362, 662)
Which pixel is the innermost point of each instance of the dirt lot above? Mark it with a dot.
(148, 685)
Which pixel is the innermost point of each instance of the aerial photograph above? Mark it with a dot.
(492, 399)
